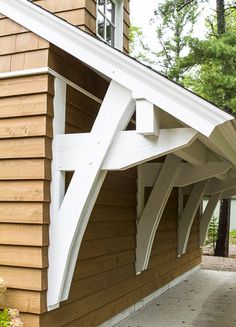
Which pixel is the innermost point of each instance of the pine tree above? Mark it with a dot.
(215, 79)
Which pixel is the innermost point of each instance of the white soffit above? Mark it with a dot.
(142, 81)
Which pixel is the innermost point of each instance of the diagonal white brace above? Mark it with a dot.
(188, 215)
(115, 113)
(206, 216)
(151, 216)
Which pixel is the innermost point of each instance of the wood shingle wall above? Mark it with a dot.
(25, 153)
(104, 281)
(82, 13)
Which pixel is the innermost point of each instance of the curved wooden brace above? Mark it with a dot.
(206, 217)
(151, 216)
(68, 227)
(188, 215)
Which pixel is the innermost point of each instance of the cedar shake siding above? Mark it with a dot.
(105, 281)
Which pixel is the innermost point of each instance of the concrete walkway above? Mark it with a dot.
(205, 299)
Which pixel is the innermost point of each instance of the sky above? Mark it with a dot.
(141, 12)
(140, 16)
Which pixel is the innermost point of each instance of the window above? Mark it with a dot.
(110, 22)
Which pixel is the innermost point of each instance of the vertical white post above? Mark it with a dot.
(58, 177)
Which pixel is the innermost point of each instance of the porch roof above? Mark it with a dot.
(199, 132)
(115, 65)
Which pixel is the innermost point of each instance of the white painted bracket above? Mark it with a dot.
(75, 210)
(127, 150)
(146, 118)
(188, 174)
(188, 215)
(228, 193)
(206, 216)
(196, 154)
(151, 216)
(216, 186)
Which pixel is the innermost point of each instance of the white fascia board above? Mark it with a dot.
(224, 138)
(172, 98)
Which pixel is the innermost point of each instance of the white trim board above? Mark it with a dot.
(47, 70)
(139, 305)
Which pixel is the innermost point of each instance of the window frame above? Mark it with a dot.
(117, 24)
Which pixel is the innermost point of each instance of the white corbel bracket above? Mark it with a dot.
(187, 175)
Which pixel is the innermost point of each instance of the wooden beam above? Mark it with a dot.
(188, 174)
(228, 194)
(128, 149)
(188, 215)
(146, 118)
(151, 216)
(207, 215)
(196, 154)
(83, 190)
(216, 186)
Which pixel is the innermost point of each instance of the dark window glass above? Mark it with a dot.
(101, 25)
(110, 33)
(110, 11)
(106, 21)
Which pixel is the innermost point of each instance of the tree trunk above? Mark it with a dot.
(222, 243)
(220, 11)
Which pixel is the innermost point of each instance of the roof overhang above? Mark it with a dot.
(145, 83)
(206, 134)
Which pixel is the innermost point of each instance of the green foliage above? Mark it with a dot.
(232, 237)
(215, 75)
(212, 233)
(5, 319)
(138, 48)
(175, 21)
(214, 62)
